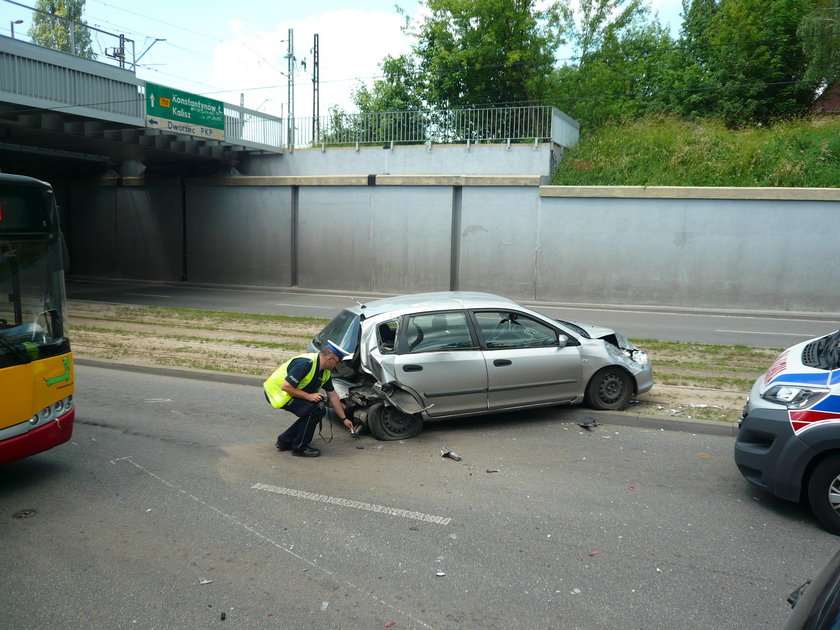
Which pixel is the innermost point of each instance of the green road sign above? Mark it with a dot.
(171, 110)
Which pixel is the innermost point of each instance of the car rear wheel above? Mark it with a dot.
(389, 423)
(610, 388)
(824, 493)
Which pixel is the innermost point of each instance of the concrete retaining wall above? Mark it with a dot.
(767, 249)
(439, 159)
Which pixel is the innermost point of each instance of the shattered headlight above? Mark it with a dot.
(636, 355)
(794, 396)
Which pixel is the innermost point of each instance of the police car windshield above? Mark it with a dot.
(829, 351)
(343, 329)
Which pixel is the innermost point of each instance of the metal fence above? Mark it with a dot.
(253, 129)
(506, 124)
(65, 35)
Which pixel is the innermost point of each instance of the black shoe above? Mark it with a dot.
(282, 446)
(307, 451)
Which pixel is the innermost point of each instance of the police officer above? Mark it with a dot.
(296, 387)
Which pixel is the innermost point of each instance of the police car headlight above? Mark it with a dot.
(794, 397)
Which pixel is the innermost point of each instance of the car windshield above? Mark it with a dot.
(343, 329)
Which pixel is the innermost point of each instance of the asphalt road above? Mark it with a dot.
(171, 506)
(750, 328)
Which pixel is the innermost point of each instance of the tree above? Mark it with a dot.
(58, 25)
(472, 52)
(743, 60)
(395, 91)
(621, 61)
(487, 52)
(819, 32)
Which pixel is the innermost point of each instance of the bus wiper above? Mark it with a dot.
(15, 350)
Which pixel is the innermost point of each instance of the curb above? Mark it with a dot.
(618, 418)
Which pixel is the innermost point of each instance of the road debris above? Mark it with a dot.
(492, 470)
(204, 581)
(588, 423)
(441, 574)
(446, 452)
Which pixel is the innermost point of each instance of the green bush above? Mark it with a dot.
(666, 151)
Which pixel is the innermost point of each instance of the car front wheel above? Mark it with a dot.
(824, 493)
(610, 388)
(389, 423)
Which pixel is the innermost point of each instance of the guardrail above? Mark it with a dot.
(448, 126)
(65, 35)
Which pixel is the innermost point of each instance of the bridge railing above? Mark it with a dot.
(253, 129)
(49, 30)
(448, 126)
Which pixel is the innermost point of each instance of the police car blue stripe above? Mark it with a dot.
(829, 404)
(811, 378)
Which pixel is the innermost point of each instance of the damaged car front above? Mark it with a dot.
(455, 354)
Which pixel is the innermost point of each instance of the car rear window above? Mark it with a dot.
(343, 329)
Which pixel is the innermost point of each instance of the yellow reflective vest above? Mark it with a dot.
(274, 385)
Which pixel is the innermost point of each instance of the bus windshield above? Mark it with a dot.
(31, 277)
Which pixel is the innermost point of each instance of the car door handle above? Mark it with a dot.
(501, 362)
(412, 368)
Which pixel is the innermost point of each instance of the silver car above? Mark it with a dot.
(431, 356)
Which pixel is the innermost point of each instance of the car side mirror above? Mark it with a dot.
(562, 340)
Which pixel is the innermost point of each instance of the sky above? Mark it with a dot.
(237, 51)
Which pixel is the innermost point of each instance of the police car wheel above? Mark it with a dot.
(824, 493)
(610, 388)
(389, 423)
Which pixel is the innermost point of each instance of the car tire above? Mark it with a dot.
(389, 423)
(610, 388)
(824, 484)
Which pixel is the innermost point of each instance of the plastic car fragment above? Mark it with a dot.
(446, 452)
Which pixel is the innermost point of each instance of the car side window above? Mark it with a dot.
(506, 329)
(386, 335)
(433, 332)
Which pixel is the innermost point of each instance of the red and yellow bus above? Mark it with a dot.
(36, 365)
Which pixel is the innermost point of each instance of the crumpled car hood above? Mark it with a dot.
(596, 332)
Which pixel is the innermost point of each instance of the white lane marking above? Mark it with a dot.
(251, 530)
(149, 295)
(759, 332)
(358, 505)
(157, 400)
(324, 308)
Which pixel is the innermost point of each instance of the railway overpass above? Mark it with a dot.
(63, 116)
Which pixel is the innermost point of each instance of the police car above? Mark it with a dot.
(789, 437)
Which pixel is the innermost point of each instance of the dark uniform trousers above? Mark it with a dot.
(309, 414)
